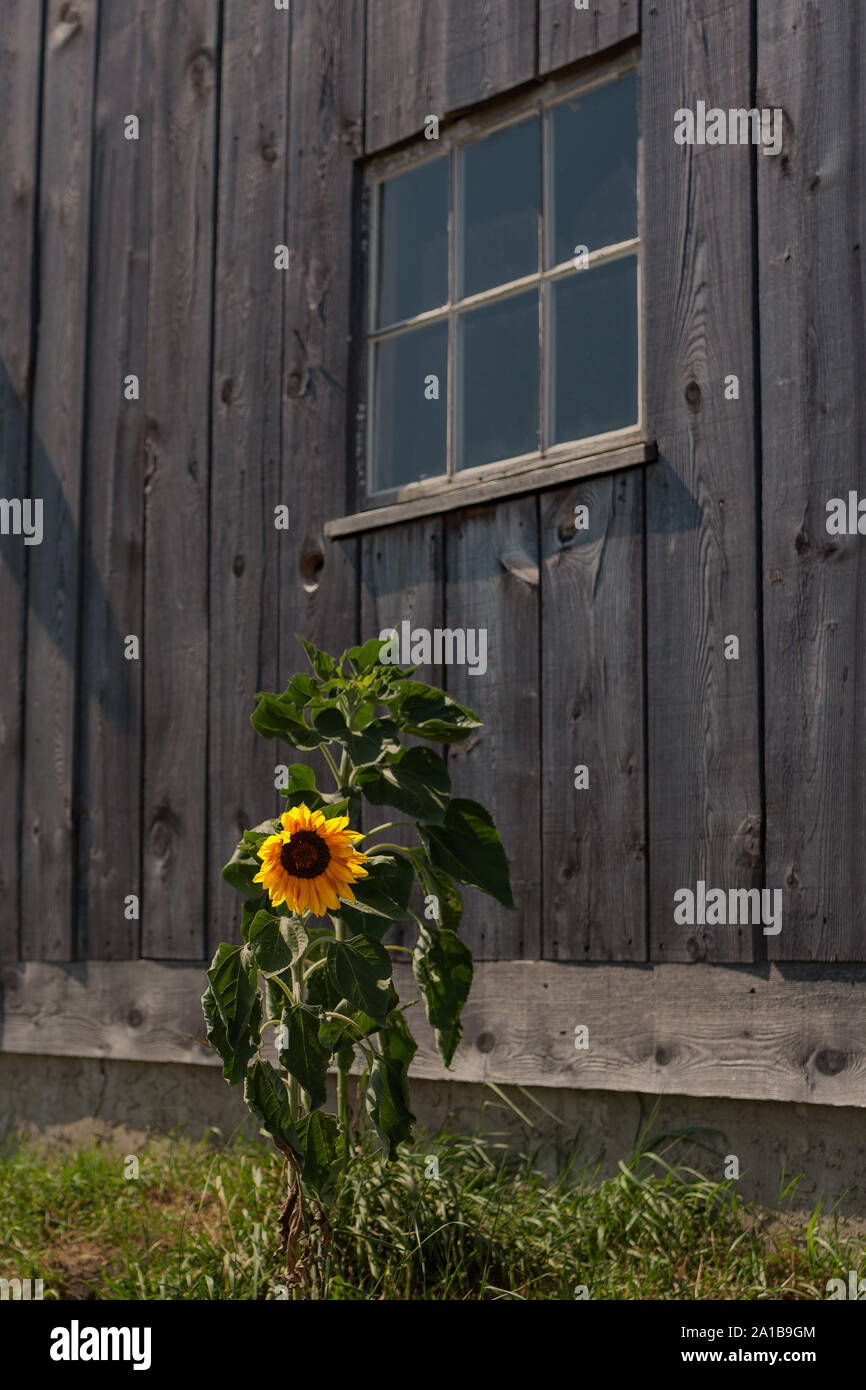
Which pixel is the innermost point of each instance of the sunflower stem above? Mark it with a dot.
(342, 1076)
(294, 1086)
(386, 844)
(386, 825)
(331, 764)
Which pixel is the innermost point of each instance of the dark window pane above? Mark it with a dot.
(499, 200)
(593, 169)
(409, 420)
(499, 380)
(413, 242)
(593, 351)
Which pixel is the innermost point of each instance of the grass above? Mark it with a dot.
(199, 1222)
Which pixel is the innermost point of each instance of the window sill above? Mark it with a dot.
(447, 495)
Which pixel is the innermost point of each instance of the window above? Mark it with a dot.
(503, 291)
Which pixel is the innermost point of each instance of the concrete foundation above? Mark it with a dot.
(74, 1099)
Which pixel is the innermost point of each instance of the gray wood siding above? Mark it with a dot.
(20, 43)
(566, 33)
(703, 710)
(112, 514)
(177, 468)
(247, 450)
(318, 581)
(48, 914)
(812, 227)
(605, 647)
(434, 57)
(592, 697)
(403, 579)
(492, 582)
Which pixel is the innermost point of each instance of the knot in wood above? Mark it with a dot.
(830, 1062)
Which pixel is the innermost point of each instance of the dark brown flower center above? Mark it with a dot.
(305, 855)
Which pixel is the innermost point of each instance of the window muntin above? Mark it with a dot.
(536, 348)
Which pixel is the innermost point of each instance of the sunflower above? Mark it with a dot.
(311, 862)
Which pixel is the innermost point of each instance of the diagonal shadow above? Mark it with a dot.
(48, 573)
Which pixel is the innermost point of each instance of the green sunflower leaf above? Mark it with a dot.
(333, 1032)
(442, 966)
(275, 717)
(276, 942)
(300, 690)
(363, 746)
(302, 1053)
(234, 1059)
(242, 869)
(443, 902)
(425, 712)
(384, 893)
(468, 848)
(368, 655)
(233, 980)
(359, 971)
(265, 1094)
(387, 1097)
(324, 1150)
(416, 782)
(323, 665)
(301, 777)
(275, 996)
(255, 838)
(250, 908)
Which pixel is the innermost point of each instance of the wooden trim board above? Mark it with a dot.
(452, 495)
(762, 1032)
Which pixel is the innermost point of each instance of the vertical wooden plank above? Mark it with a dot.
(20, 46)
(492, 580)
(318, 578)
(812, 239)
(704, 756)
(566, 34)
(432, 57)
(175, 649)
(402, 580)
(113, 502)
(244, 614)
(47, 929)
(594, 838)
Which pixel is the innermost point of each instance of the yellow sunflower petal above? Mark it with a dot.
(327, 896)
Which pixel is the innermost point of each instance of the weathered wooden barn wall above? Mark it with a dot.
(155, 257)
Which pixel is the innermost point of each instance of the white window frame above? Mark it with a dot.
(463, 132)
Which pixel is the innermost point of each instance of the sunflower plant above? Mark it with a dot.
(320, 895)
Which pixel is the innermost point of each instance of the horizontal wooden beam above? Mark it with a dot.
(457, 492)
(763, 1032)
